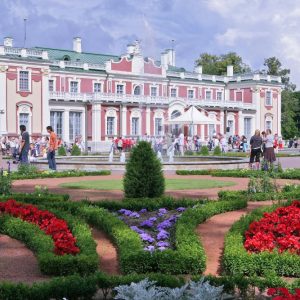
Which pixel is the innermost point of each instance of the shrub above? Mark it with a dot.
(204, 151)
(217, 151)
(188, 153)
(144, 175)
(62, 151)
(5, 183)
(262, 184)
(75, 150)
(27, 169)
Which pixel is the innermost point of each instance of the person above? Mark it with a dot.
(25, 145)
(255, 152)
(269, 154)
(52, 148)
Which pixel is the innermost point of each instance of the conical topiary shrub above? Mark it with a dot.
(62, 151)
(144, 176)
(75, 150)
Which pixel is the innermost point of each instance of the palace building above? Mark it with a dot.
(99, 96)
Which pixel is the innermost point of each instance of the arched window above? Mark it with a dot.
(175, 114)
(137, 90)
(66, 58)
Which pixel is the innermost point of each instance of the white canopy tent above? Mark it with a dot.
(192, 117)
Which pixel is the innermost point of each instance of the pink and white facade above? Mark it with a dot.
(102, 96)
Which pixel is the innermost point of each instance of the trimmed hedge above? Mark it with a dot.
(237, 261)
(85, 262)
(35, 199)
(230, 195)
(188, 258)
(61, 174)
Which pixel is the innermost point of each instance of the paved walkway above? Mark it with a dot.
(212, 234)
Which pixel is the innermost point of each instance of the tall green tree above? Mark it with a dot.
(217, 64)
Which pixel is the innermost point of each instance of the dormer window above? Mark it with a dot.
(66, 58)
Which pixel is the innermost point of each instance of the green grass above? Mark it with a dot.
(171, 184)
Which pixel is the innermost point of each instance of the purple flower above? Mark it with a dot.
(163, 235)
(121, 211)
(163, 244)
(163, 225)
(162, 248)
(125, 212)
(149, 248)
(134, 215)
(162, 211)
(147, 237)
(143, 210)
(181, 209)
(147, 223)
(172, 219)
(136, 229)
(153, 219)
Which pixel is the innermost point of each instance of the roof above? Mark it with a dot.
(84, 57)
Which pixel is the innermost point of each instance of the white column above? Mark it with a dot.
(241, 123)
(202, 132)
(124, 121)
(45, 102)
(148, 122)
(66, 126)
(279, 114)
(222, 122)
(96, 122)
(3, 108)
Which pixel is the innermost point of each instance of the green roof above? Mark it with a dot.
(84, 57)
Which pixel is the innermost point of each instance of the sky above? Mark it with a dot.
(255, 29)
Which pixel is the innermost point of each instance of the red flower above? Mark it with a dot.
(64, 241)
(277, 230)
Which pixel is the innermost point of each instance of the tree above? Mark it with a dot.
(274, 67)
(217, 65)
(144, 176)
(290, 113)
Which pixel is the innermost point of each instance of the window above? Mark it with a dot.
(158, 126)
(74, 125)
(73, 87)
(51, 85)
(269, 124)
(208, 95)
(247, 127)
(173, 93)
(153, 91)
(239, 96)
(97, 87)
(190, 94)
(268, 98)
(219, 96)
(110, 125)
(56, 121)
(135, 126)
(137, 90)
(24, 120)
(24, 81)
(120, 89)
(211, 130)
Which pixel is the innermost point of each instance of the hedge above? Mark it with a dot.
(230, 195)
(237, 261)
(85, 262)
(60, 174)
(36, 199)
(188, 258)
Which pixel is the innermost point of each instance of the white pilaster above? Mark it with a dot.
(66, 126)
(222, 122)
(202, 132)
(148, 122)
(279, 114)
(3, 108)
(124, 121)
(45, 102)
(96, 122)
(241, 123)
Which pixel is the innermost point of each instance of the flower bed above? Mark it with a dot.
(64, 241)
(155, 228)
(283, 294)
(238, 261)
(277, 230)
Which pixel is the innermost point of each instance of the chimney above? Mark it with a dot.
(8, 42)
(230, 71)
(130, 49)
(198, 69)
(77, 45)
(164, 60)
(171, 57)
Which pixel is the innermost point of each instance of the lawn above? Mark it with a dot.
(171, 184)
